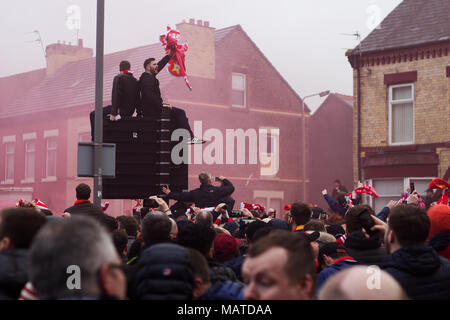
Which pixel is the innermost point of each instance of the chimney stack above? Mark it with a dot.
(201, 55)
(58, 54)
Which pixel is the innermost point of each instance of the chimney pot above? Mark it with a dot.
(199, 22)
(206, 23)
(80, 43)
(191, 21)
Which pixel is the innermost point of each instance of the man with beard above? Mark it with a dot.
(151, 102)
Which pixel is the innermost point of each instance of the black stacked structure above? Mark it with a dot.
(143, 158)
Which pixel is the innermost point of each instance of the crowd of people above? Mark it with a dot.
(201, 249)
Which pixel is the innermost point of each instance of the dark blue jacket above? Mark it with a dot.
(205, 196)
(337, 208)
(164, 272)
(325, 274)
(13, 273)
(236, 266)
(227, 290)
(366, 251)
(420, 271)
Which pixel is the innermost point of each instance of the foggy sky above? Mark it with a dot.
(302, 39)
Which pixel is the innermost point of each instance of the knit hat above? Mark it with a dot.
(253, 227)
(231, 227)
(311, 236)
(336, 230)
(330, 249)
(439, 219)
(224, 244)
(278, 224)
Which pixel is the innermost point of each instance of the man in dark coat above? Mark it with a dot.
(83, 206)
(151, 102)
(18, 226)
(207, 195)
(364, 249)
(125, 93)
(411, 261)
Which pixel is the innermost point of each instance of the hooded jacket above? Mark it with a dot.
(164, 272)
(441, 243)
(365, 250)
(13, 273)
(420, 271)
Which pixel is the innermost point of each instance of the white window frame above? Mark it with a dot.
(9, 140)
(406, 181)
(399, 102)
(245, 90)
(273, 132)
(29, 179)
(47, 137)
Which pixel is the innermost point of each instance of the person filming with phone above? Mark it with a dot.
(207, 195)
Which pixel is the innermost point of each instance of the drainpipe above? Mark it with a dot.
(358, 92)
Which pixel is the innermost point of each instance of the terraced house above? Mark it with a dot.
(401, 74)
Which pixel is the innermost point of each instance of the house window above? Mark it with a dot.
(51, 157)
(269, 139)
(238, 85)
(30, 157)
(401, 114)
(391, 189)
(9, 162)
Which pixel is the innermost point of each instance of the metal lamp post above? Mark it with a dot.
(321, 94)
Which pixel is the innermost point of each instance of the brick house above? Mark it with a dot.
(331, 149)
(46, 113)
(401, 76)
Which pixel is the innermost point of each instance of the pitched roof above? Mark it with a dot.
(347, 99)
(411, 23)
(74, 83)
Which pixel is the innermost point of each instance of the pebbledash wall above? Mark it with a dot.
(55, 110)
(392, 166)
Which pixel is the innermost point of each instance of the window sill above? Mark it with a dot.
(27, 181)
(49, 179)
(7, 182)
(270, 178)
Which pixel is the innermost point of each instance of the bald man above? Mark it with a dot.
(362, 283)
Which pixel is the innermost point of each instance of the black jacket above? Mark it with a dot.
(164, 272)
(219, 272)
(365, 250)
(420, 271)
(205, 196)
(151, 102)
(125, 95)
(85, 208)
(13, 273)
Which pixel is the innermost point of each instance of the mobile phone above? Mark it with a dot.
(366, 221)
(411, 186)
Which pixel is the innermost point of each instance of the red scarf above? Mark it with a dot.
(80, 201)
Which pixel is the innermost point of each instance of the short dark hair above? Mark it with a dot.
(317, 212)
(340, 198)
(301, 212)
(124, 65)
(352, 217)
(147, 61)
(199, 265)
(204, 177)
(129, 224)
(253, 227)
(156, 228)
(20, 225)
(300, 260)
(108, 222)
(83, 191)
(120, 240)
(315, 225)
(197, 237)
(410, 224)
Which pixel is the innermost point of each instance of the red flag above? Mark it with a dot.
(441, 184)
(176, 66)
